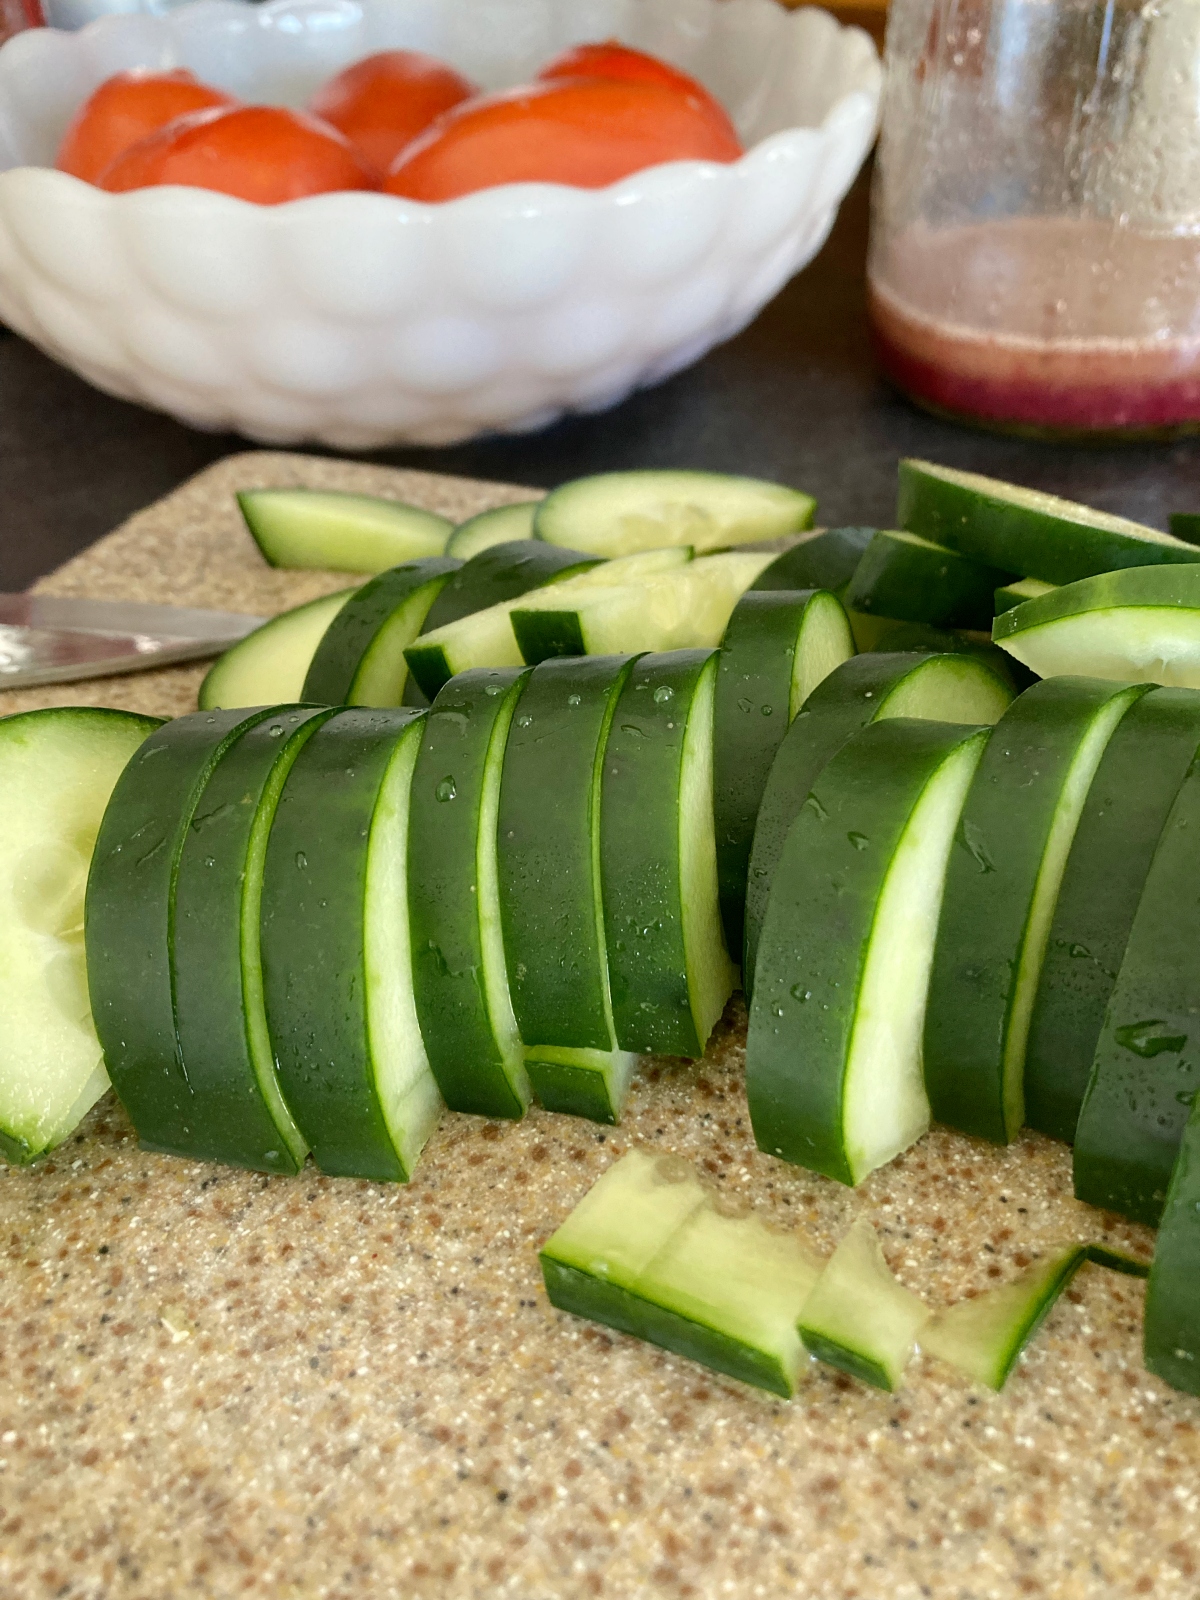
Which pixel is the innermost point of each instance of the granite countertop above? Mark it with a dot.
(220, 1384)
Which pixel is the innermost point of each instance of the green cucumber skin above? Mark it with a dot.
(750, 719)
(447, 946)
(571, 1091)
(231, 1120)
(1171, 1337)
(639, 855)
(314, 890)
(579, 1293)
(816, 936)
(545, 635)
(1041, 1309)
(339, 655)
(1137, 1099)
(1184, 525)
(502, 572)
(129, 914)
(851, 1361)
(1117, 1261)
(1126, 811)
(924, 583)
(994, 865)
(826, 561)
(553, 946)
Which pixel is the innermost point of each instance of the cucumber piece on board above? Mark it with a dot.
(779, 645)
(58, 768)
(459, 973)
(1119, 828)
(616, 513)
(337, 966)
(1147, 1063)
(647, 1251)
(268, 666)
(942, 688)
(502, 572)
(360, 658)
(1140, 625)
(908, 578)
(1184, 525)
(667, 964)
(130, 914)
(858, 1317)
(825, 561)
(1024, 531)
(501, 525)
(238, 1113)
(1002, 885)
(1018, 591)
(983, 1337)
(833, 1052)
(341, 532)
(549, 886)
(1171, 1337)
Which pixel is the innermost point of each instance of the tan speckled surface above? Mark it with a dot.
(220, 1384)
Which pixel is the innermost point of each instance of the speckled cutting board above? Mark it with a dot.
(217, 1384)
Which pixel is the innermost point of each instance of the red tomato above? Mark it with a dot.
(586, 133)
(383, 103)
(125, 109)
(613, 60)
(260, 153)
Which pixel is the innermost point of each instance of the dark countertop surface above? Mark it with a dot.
(795, 397)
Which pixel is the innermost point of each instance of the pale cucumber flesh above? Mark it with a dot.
(311, 528)
(268, 667)
(858, 1317)
(1127, 644)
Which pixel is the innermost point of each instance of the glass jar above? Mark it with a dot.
(16, 15)
(1035, 240)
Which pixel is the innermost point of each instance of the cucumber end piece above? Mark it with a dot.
(581, 1083)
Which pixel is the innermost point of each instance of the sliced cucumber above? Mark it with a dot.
(910, 579)
(779, 645)
(501, 525)
(648, 1251)
(340, 532)
(268, 667)
(237, 1112)
(549, 886)
(1140, 625)
(667, 962)
(459, 972)
(1184, 525)
(825, 561)
(833, 1053)
(502, 572)
(1147, 1062)
(858, 1317)
(130, 918)
(1016, 593)
(615, 513)
(1005, 870)
(360, 658)
(942, 688)
(58, 768)
(1024, 531)
(1123, 817)
(983, 1337)
(337, 967)
(1172, 1327)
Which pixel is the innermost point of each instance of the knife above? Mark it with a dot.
(45, 639)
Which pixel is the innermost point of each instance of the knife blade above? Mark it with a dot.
(52, 639)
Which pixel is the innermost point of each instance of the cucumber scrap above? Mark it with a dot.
(858, 1318)
(329, 529)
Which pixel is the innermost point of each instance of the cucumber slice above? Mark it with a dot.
(501, 525)
(1117, 1261)
(648, 1252)
(833, 1053)
(1022, 530)
(502, 572)
(907, 578)
(58, 768)
(1184, 525)
(131, 914)
(269, 666)
(459, 973)
(942, 688)
(825, 561)
(1016, 593)
(1001, 888)
(779, 645)
(237, 1110)
(1140, 625)
(549, 886)
(1147, 1065)
(667, 963)
(1123, 817)
(615, 513)
(1171, 1338)
(337, 968)
(360, 658)
(858, 1317)
(327, 529)
(983, 1337)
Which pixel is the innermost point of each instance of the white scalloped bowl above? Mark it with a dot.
(361, 320)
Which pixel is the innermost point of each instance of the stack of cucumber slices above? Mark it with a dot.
(512, 812)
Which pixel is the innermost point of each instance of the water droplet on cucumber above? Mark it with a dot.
(446, 790)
